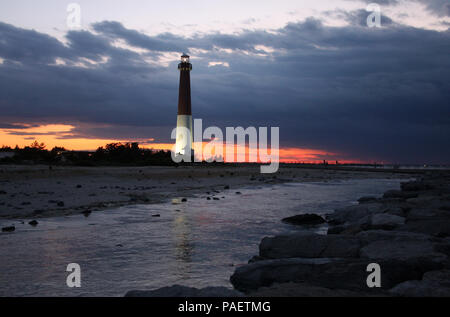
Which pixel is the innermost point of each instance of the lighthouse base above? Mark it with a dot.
(184, 138)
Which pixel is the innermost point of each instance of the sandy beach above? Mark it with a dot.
(37, 191)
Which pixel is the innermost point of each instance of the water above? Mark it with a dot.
(197, 243)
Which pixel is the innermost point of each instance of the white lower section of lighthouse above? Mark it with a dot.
(184, 135)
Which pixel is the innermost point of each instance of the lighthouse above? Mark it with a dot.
(184, 119)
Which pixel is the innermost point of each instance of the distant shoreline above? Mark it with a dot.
(35, 191)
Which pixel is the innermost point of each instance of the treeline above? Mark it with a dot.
(111, 154)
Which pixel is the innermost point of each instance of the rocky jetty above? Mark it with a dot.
(406, 232)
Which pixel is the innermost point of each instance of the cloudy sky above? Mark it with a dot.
(337, 88)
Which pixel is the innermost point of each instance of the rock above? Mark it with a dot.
(370, 236)
(309, 245)
(403, 247)
(300, 290)
(423, 200)
(156, 216)
(445, 206)
(439, 227)
(184, 200)
(355, 229)
(184, 291)
(86, 213)
(238, 193)
(373, 221)
(348, 274)
(399, 194)
(306, 219)
(427, 213)
(79, 186)
(397, 211)
(349, 229)
(367, 199)
(256, 258)
(432, 221)
(393, 194)
(416, 186)
(216, 198)
(354, 213)
(208, 198)
(33, 223)
(433, 284)
(386, 221)
(335, 230)
(265, 273)
(226, 187)
(9, 229)
(60, 204)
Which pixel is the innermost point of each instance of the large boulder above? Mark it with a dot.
(386, 221)
(301, 290)
(400, 210)
(433, 284)
(423, 200)
(354, 213)
(348, 229)
(438, 227)
(309, 245)
(402, 246)
(432, 221)
(305, 220)
(382, 221)
(184, 291)
(401, 250)
(419, 185)
(428, 213)
(348, 274)
(265, 273)
(370, 236)
(367, 199)
(399, 194)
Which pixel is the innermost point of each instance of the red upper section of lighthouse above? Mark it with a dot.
(184, 95)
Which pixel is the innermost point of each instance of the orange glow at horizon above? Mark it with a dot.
(61, 135)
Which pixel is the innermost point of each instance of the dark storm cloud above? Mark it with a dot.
(165, 42)
(378, 94)
(16, 126)
(28, 46)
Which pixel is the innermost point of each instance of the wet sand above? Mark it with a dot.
(37, 191)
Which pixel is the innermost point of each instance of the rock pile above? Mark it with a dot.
(406, 232)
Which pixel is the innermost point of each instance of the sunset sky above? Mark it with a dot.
(337, 89)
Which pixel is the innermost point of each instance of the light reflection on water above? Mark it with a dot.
(195, 243)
